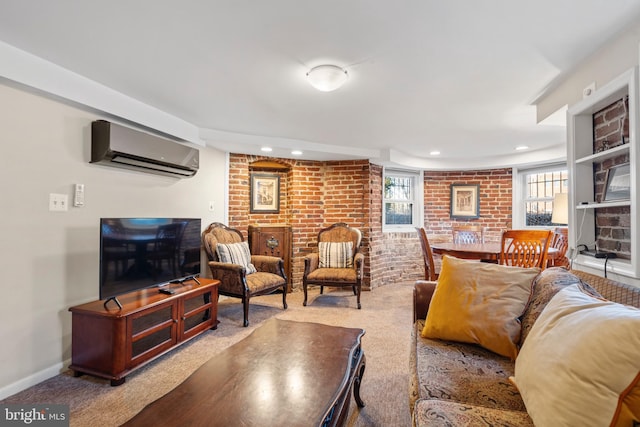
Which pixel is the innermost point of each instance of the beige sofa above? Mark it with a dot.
(463, 384)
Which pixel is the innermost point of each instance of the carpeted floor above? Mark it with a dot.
(386, 316)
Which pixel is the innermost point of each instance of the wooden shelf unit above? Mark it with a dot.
(109, 342)
(580, 161)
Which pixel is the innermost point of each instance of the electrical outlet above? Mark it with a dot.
(58, 202)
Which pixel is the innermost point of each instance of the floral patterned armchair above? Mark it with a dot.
(241, 274)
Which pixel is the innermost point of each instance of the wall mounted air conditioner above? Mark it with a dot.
(123, 147)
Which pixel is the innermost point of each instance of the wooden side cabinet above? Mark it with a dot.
(110, 342)
(273, 240)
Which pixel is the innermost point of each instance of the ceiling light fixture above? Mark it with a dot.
(266, 149)
(434, 153)
(327, 78)
(522, 147)
(296, 153)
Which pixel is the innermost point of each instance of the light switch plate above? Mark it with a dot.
(58, 202)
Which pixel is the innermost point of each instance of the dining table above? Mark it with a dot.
(487, 252)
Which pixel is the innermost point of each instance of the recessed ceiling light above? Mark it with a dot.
(435, 153)
(522, 147)
(266, 149)
(296, 152)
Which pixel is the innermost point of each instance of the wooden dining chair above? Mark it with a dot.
(525, 248)
(468, 234)
(560, 241)
(427, 255)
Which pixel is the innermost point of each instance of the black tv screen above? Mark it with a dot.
(137, 253)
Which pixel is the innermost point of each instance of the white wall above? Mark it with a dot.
(611, 60)
(49, 260)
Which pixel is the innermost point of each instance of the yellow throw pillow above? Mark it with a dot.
(580, 364)
(479, 303)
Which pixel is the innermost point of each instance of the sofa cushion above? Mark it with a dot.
(346, 275)
(580, 361)
(439, 413)
(260, 281)
(236, 253)
(335, 254)
(548, 283)
(464, 373)
(479, 303)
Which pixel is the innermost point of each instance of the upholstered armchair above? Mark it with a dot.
(337, 262)
(241, 274)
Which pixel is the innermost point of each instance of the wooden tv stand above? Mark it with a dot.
(110, 342)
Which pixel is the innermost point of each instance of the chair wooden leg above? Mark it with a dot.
(245, 309)
(284, 296)
(321, 289)
(304, 288)
(358, 287)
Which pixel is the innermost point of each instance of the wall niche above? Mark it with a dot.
(613, 224)
(313, 195)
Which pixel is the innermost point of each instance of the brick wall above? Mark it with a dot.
(323, 193)
(495, 202)
(313, 195)
(495, 195)
(613, 225)
(317, 194)
(240, 193)
(395, 257)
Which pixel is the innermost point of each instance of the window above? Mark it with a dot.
(402, 199)
(540, 185)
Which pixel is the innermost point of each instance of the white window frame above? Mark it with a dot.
(519, 185)
(418, 200)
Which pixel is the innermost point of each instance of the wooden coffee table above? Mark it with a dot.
(283, 374)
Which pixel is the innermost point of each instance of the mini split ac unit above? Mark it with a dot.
(123, 147)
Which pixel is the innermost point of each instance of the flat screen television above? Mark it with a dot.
(137, 253)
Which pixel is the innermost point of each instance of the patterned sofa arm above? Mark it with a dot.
(612, 290)
(429, 413)
(422, 294)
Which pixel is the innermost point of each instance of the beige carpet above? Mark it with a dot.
(386, 316)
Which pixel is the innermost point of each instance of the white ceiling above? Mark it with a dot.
(458, 76)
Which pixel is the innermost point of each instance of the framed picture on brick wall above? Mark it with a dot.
(265, 193)
(618, 183)
(465, 201)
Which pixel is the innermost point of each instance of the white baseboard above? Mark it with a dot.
(33, 379)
